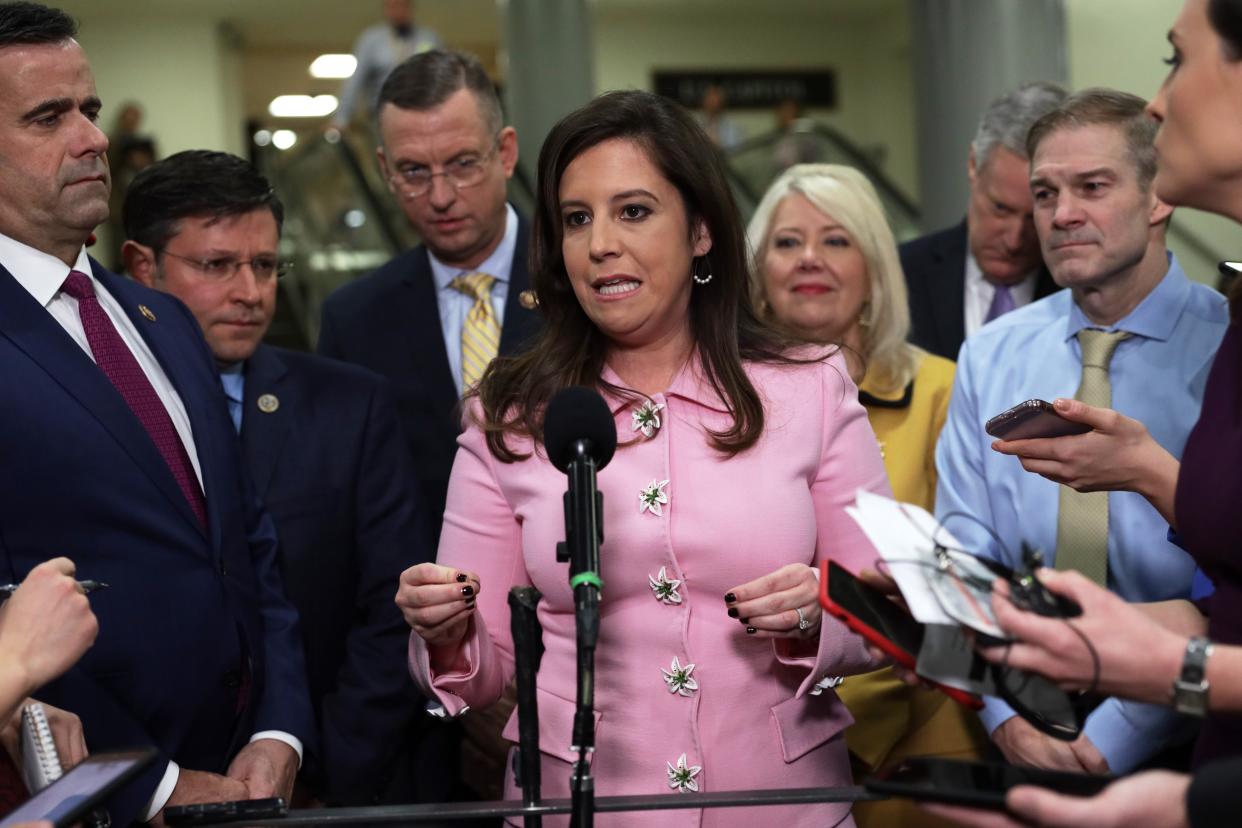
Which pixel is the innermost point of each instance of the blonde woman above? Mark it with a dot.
(826, 267)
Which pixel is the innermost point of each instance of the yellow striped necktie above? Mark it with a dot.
(1082, 517)
(480, 336)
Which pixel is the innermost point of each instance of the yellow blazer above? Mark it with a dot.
(893, 720)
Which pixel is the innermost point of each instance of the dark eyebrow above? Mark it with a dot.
(1099, 172)
(639, 193)
(57, 106)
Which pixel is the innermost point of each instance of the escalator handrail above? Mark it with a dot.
(373, 201)
(848, 148)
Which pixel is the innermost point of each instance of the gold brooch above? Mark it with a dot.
(268, 403)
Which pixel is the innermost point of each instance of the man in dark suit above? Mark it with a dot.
(118, 451)
(447, 155)
(317, 439)
(965, 276)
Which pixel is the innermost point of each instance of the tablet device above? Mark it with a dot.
(69, 799)
(975, 784)
(870, 613)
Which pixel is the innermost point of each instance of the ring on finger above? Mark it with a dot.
(803, 624)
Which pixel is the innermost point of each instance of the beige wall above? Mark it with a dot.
(870, 53)
(1121, 43)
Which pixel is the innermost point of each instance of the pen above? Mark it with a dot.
(87, 586)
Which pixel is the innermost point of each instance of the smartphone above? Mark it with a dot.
(1032, 419)
(975, 784)
(69, 799)
(870, 613)
(209, 813)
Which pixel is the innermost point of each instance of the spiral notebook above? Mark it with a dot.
(40, 761)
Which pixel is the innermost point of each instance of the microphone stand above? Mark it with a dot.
(584, 532)
(527, 653)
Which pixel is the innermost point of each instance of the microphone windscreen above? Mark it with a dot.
(578, 413)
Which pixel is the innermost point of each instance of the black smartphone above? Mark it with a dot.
(870, 613)
(210, 813)
(975, 784)
(1032, 419)
(69, 799)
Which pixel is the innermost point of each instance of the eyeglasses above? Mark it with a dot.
(224, 268)
(415, 180)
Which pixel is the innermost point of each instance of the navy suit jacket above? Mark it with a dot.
(935, 268)
(189, 614)
(329, 466)
(389, 322)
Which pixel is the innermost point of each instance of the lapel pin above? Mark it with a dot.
(528, 299)
(268, 403)
(147, 313)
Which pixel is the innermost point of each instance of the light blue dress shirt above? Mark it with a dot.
(234, 383)
(454, 305)
(1158, 377)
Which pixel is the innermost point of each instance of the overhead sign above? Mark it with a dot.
(757, 89)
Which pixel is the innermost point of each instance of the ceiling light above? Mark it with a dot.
(282, 139)
(333, 66)
(302, 106)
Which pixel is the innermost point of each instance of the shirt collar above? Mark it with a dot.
(689, 383)
(1155, 317)
(234, 381)
(1023, 291)
(497, 265)
(41, 274)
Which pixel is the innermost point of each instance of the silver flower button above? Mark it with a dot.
(826, 683)
(678, 678)
(681, 777)
(647, 418)
(653, 498)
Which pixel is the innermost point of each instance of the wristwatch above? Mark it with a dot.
(1190, 689)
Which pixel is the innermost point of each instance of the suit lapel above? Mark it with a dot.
(519, 323)
(35, 332)
(264, 431)
(172, 348)
(423, 335)
(949, 293)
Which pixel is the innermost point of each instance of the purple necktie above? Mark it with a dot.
(114, 358)
(1002, 303)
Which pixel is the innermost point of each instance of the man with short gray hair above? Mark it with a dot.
(965, 276)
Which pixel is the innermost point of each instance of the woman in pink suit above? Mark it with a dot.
(738, 458)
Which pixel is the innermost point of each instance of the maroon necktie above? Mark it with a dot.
(114, 358)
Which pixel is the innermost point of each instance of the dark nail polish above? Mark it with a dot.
(733, 612)
(461, 577)
(467, 590)
(744, 620)
(751, 631)
(470, 603)
(730, 597)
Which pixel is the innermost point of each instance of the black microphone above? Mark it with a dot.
(579, 414)
(580, 437)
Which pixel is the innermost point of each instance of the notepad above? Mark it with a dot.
(40, 760)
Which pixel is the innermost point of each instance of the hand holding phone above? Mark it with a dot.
(1032, 419)
(871, 614)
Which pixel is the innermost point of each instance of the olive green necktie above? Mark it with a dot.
(480, 336)
(1082, 519)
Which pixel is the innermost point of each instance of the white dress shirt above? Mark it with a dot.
(42, 276)
(979, 293)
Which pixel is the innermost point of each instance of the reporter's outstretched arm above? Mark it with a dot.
(1118, 454)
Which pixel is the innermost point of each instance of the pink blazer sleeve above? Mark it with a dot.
(482, 535)
(849, 460)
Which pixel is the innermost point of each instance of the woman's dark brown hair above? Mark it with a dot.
(570, 350)
(1226, 19)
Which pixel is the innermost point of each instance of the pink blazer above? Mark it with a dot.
(755, 718)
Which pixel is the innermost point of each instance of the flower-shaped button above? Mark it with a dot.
(681, 776)
(826, 683)
(665, 588)
(653, 498)
(678, 678)
(647, 418)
